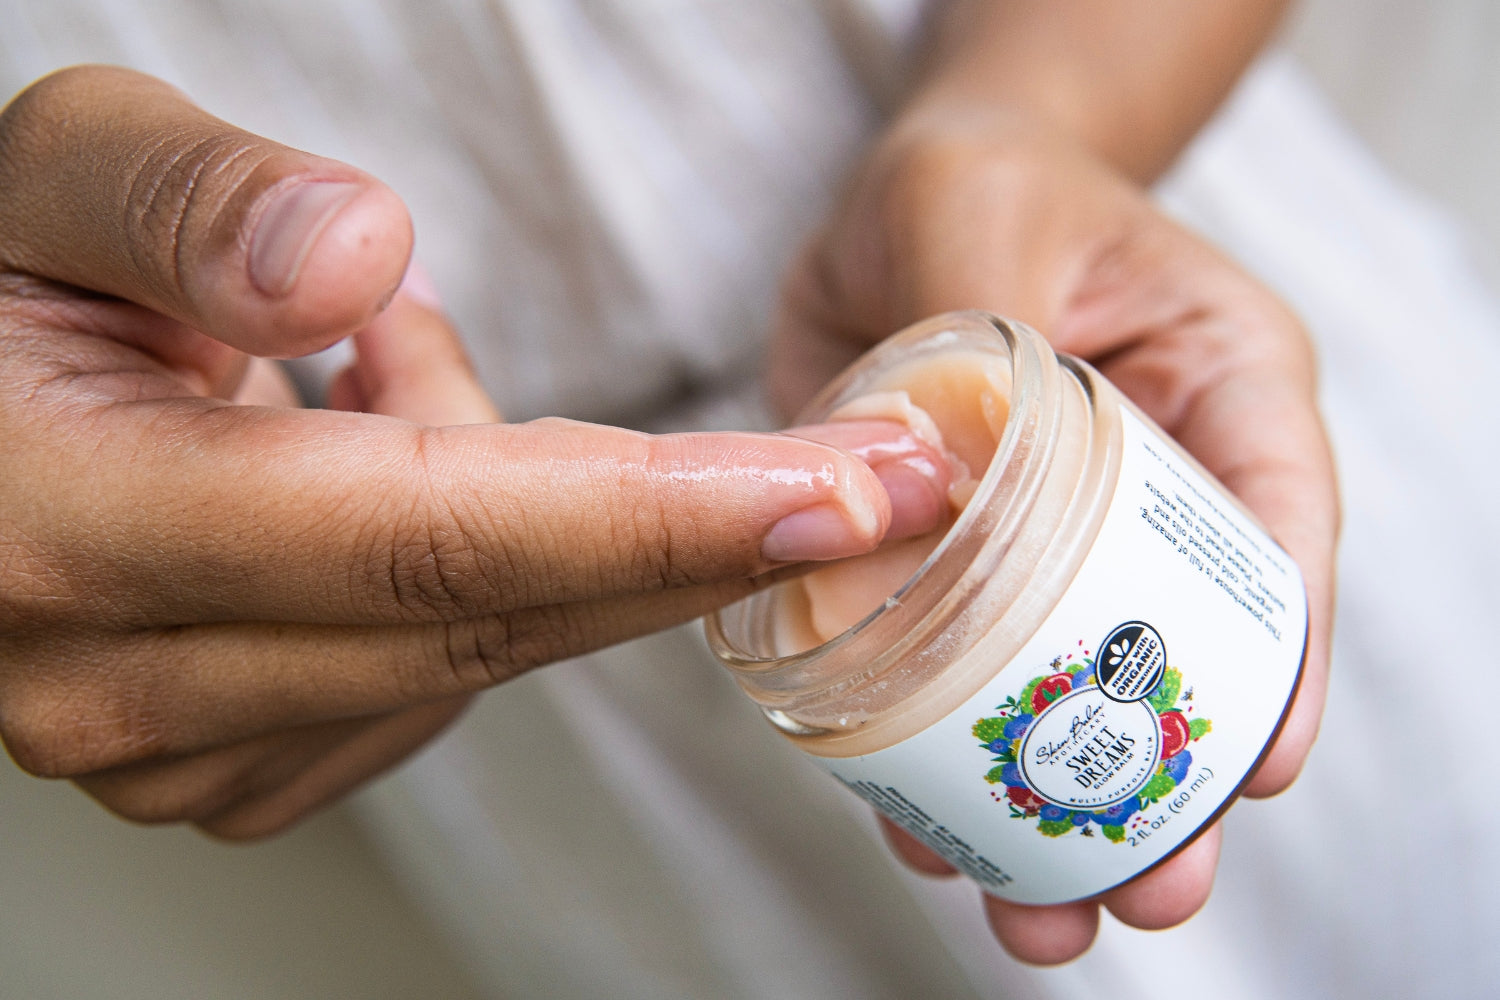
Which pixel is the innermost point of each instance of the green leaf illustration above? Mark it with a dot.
(1114, 833)
(1164, 695)
(986, 731)
(1200, 728)
(1055, 827)
(993, 777)
(1160, 785)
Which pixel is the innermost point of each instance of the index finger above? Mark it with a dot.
(247, 513)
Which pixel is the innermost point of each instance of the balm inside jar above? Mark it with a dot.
(1070, 679)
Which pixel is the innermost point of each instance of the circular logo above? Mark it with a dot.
(1086, 751)
(1130, 661)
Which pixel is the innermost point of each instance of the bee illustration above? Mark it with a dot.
(1187, 695)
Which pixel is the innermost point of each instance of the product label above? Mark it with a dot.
(1133, 713)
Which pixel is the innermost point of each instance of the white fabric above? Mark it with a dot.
(606, 192)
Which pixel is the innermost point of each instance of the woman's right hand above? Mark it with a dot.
(228, 613)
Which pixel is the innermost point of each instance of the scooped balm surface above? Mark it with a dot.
(958, 404)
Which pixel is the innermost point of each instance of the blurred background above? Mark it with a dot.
(1421, 85)
(314, 914)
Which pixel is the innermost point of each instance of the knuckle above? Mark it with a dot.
(652, 543)
(32, 115)
(480, 653)
(430, 566)
(185, 199)
(1288, 341)
(477, 653)
(666, 537)
(428, 569)
(435, 561)
(65, 730)
(672, 555)
(538, 636)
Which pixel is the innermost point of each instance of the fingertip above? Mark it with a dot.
(912, 852)
(1173, 892)
(841, 508)
(346, 274)
(1295, 741)
(822, 532)
(289, 220)
(914, 475)
(1043, 935)
(1279, 771)
(917, 506)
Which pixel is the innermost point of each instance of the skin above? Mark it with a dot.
(219, 609)
(1012, 181)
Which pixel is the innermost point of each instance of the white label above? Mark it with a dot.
(1129, 718)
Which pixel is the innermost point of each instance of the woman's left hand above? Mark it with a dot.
(974, 212)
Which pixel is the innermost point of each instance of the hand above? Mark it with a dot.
(228, 613)
(959, 211)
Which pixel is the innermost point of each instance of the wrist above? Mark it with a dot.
(944, 130)
(1130, 82)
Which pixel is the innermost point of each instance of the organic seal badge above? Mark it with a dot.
(1134, 659)
(1094, 740)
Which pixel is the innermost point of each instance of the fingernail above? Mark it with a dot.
(916, 505)
(818, 532)
(288, 228)
(914, 473)
(419, 287)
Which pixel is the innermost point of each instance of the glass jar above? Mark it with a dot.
(1087, 665)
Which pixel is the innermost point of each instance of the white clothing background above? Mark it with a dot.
(606, 192)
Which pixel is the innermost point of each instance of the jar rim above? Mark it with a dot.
(1022, 451)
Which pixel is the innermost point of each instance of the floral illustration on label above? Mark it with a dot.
(1072, 754)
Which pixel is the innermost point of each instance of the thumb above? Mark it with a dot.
(115, 182)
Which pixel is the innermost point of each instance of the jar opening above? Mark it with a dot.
(785, 650)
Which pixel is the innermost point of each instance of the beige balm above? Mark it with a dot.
(1075, 674)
